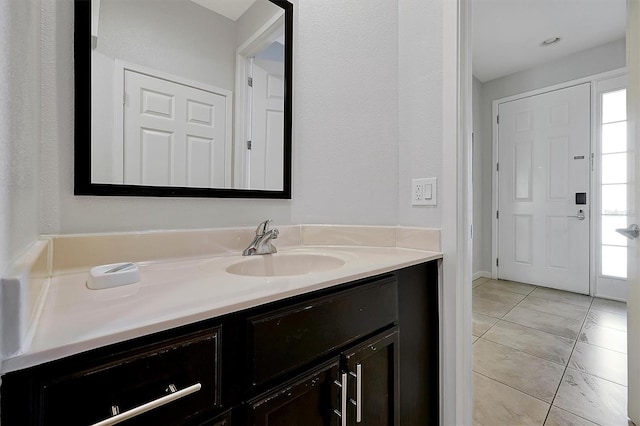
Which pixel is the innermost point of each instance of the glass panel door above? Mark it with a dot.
(612, 162)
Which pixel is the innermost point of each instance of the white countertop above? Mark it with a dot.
(170, 294)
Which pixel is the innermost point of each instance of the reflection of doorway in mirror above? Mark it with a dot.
(267, 118)
(259, 113)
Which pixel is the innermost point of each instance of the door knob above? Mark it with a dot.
(631, 232)
(580, 215)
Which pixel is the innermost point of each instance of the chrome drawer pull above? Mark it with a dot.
(343, 399)
(149, 406)
(358, 401)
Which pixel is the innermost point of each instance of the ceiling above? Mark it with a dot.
(507, 34)
(232, 9)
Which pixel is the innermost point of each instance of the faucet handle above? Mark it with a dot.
(263, 227)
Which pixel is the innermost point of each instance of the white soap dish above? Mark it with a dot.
(113, 275)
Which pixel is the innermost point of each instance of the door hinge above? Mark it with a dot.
(497, 214)
(497, 167)
(497, 262)
(592, 160)
(249, 145)
(497, 119)
(250, 81)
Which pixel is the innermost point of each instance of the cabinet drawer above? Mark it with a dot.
(131, 381)
(286, 339)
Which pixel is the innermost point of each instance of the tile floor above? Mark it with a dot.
(547, 357)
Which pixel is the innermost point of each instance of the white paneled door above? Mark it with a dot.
(543, 189)
(267, 127)
(174, 134)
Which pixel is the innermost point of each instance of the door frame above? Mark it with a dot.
(592, 80)
(242, 111)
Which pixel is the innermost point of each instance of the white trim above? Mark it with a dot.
(95, 18)
(251, 46)
(456, 400)
(593, 79)
(119, 68)
(480, 274)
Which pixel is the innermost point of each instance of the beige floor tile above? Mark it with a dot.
(592, 398)
(554, 324)
(490, 307)
(557, 308)
(610, 306)
(562, 296)
(534, 342)
(482, 323)
(605, 337)
(495, 404)
(497, 295)
(532, 375)
(511, 286)
(601, 362)
(560, 417)
(479, 281)
(606, 319)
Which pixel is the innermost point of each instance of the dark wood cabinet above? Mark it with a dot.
(372, 372)
(362, 385)
(176, 379)
(366, 350)
(310, 400)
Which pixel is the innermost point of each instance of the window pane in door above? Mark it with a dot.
(614, 137)
(614, 106)
(614, 168)
(609, 234)
(614, 199)
(614, 261)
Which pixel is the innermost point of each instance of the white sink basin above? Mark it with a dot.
(274, 265)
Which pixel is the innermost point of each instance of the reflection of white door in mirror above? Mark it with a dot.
(259, 112)
(267, 119)
(174, 134)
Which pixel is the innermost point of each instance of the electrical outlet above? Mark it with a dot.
(424, 192)
(417, 192)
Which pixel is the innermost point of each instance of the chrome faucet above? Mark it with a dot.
(261, 244)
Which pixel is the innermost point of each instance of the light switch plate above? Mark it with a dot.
(424, 192)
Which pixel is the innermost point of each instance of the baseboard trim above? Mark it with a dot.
(481, 274)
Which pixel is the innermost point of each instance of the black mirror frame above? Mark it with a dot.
(82, 128)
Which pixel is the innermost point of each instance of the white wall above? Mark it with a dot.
(346, 112)
(600, 59)
(253, 19)
(19, 127)
(481, 200)
(420, 105)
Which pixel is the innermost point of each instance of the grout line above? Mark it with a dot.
(568, 361)
(516, 389)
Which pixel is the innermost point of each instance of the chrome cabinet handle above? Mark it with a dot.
(342, 384)
(580, 215)
(174, 395)
(631, 232)
(358, 401)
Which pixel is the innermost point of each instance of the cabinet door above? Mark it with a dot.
(372, 369)
(309, 400)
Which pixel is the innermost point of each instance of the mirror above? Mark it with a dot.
(183, 98)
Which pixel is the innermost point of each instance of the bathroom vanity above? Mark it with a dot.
(367, 348)
(358, 344)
